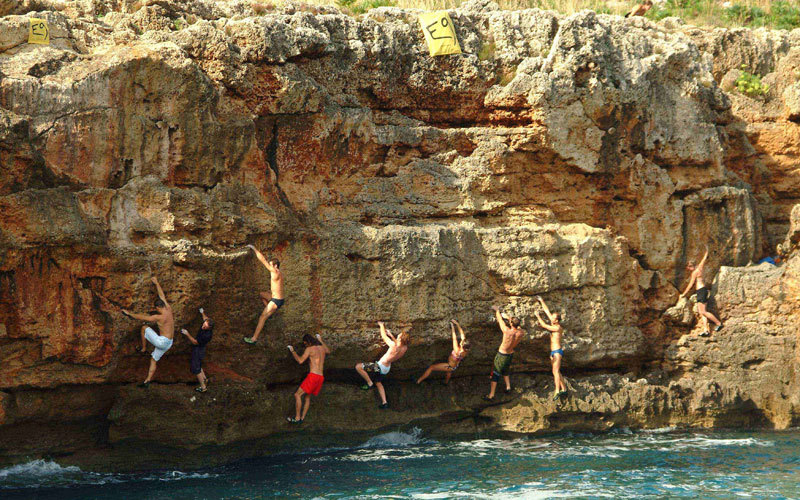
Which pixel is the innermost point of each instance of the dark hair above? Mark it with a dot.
(514, 321)
(465, 345)
(275, 262)
(159, 304)
(309, 340)
(210, 322)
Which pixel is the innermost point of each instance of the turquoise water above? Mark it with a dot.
(407, 465)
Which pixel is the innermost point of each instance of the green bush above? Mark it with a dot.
(744, 15)
(750, 84)
(362, 6)
(487, 51)
(785, 15)
(685, 9)
(672, 8)
(782, 15)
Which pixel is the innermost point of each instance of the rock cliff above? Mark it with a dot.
(586, 159)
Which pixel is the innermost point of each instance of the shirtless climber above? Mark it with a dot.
(702, 293)
(315, 352)
(512, 335)
(556, 352)
(374, 373)
(166, 327)
(272, 301)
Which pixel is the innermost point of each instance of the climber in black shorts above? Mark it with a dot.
(703, 293)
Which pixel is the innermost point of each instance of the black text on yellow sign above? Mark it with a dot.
(39, 31)
(439, 33)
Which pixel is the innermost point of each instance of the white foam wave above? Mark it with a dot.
(662, 430)
(42, 473)
(703, 442)
(46, 473)
(546, 449)
(36, 469)
(396, 439)
(177, 475)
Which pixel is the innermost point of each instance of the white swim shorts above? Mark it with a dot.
(161, 343)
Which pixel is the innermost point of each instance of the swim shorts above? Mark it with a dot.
(277, 302)
(557, 351)
(702, 295)
(376, 371)
(502, 366)
(161, 343)
(312, 384)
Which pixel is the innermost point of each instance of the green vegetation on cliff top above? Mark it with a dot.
(783, 14)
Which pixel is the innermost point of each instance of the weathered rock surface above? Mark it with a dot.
(585, 159)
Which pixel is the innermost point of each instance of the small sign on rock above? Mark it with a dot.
(439, 33)
(39, 31)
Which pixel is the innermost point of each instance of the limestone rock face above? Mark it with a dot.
(586, 159)
(793, 238)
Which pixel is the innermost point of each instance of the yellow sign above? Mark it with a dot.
(39, 31)
(439, 33)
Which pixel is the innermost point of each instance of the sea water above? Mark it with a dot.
(663, 464)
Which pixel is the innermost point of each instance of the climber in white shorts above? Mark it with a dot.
(166, 325)
(374, 373)
(161, 343)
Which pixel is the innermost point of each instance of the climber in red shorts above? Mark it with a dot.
(315, 352)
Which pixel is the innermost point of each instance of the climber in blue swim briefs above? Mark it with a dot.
(273, 300)
(556, 352)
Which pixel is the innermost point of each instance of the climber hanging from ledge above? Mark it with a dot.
(374, 373)
(315, 352)
(702, 293)
(512, 335)
(166, 326)
(556, 352)
(460, 350)
(272, 301)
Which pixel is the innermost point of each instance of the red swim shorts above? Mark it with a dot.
(312, 384)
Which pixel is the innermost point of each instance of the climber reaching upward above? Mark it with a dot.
(556, 352)
(512, 335)
(166, 327)
(702, 293)
(459, 352)
(374, 373)
(272, 301)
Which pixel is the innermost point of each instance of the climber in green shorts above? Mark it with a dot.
(502, 364)
(501, 367)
